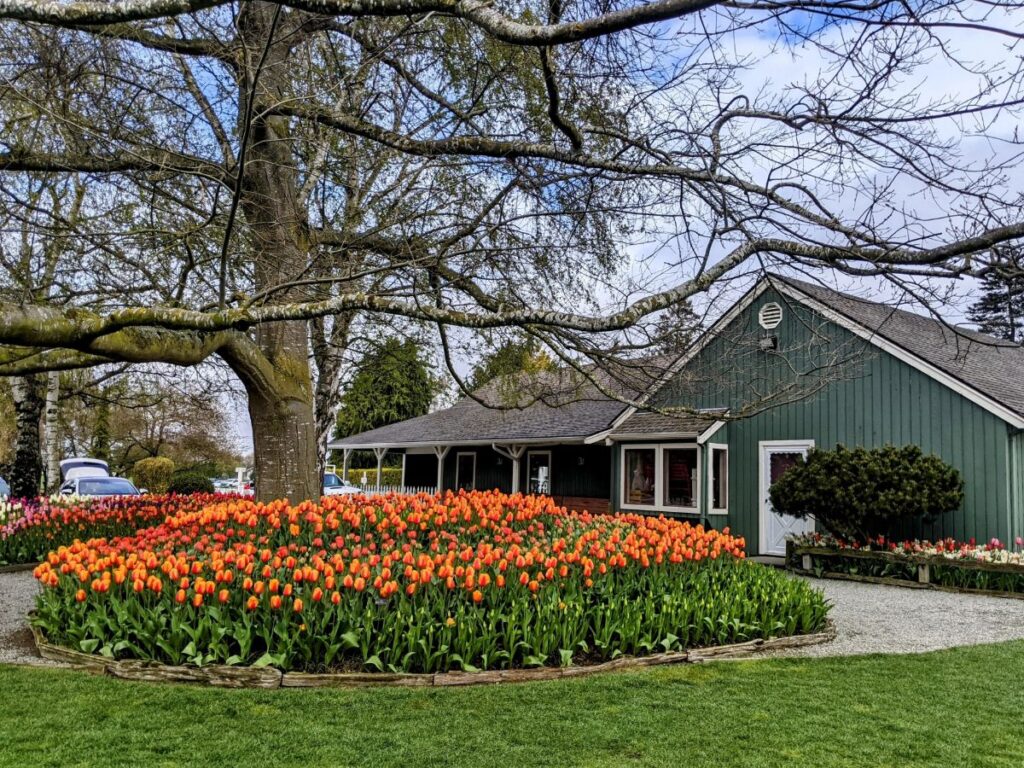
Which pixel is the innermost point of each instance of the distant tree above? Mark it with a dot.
(513, 356)
(1000, 310)
(674, 329)
(392, 385)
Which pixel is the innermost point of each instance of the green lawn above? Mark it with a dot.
(954, 708)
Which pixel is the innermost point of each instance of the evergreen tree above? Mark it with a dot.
(511, 357)
(674, 329)
(1000, 310)
(392, 385)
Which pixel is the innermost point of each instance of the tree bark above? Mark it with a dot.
(51, 434)
(27, 469)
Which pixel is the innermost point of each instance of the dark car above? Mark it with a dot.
(99, 486)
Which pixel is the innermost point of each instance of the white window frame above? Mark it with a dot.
(458, 456)
(659, 478)
(711, 448)
(551, 470)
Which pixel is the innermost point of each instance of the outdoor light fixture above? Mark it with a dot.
(580, 461)
(769, 343)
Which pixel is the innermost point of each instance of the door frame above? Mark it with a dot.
(764, 448)
(458, 456)
(551, 471)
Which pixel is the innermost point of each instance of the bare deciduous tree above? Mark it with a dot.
(275, 172)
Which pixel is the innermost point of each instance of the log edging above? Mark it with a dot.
(272, 678)
(18, 567)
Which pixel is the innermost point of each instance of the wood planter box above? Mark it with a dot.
(919, 571)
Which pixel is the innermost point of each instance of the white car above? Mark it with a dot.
(71, 469)
(335, 486)
(99, 486)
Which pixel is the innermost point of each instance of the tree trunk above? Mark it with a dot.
(273, 364)
(51, 436)
(27, 469)
(274, 368)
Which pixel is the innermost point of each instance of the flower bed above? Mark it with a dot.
(990, 568)
(29, 529)
(412, 584)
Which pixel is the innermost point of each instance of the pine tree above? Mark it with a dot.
(393, 384)
(514, 356)
(1000, 310)
(674, 329)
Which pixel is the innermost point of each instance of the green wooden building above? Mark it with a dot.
(790, 366)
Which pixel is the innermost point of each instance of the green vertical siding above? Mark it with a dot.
(832, 387)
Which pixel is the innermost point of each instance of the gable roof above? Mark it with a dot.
(987, 370)
(645, 424)
(559, 412)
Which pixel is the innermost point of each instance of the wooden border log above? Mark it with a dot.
(218, 675)
(270, 678)
(19, 567)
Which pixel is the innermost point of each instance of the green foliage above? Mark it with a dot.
(389, 476)
(153, 474)
(511, 357)
(860, 493)
(1000, 310)
(392, 385)
(190, 482)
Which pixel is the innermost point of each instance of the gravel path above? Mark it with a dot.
(17, 597)
(873, 618)
(869, 618)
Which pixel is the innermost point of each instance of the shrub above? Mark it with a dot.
(190, 482)
(859, 494)
(413, 584)
(153, 474)
(390, 476)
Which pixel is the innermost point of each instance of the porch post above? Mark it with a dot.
(380, 453)
(441, 451)
(345, 452)
(515, 453)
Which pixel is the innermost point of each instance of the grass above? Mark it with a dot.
(952, 708)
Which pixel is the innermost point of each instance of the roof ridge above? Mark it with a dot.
(985, 338)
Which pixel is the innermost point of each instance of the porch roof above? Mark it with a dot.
(561, 415)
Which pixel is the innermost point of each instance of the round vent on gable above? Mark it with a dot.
(770, 316)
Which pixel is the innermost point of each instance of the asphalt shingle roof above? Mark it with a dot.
(563, 413)
(992, 366)
(648, 423)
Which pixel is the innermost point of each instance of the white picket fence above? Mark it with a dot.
(373, 490)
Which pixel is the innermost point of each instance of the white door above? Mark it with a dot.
(776, 458)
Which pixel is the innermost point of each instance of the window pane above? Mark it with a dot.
(719, 478)
(540, 473)
(638, 467)
(681, 477)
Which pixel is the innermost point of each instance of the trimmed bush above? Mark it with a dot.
(190, 482)
(390, 476)
(859, 494)
(153, 474)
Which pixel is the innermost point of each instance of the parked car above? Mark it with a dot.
(5, 489)
(83, 466)
(99, 485)
(335, 486)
